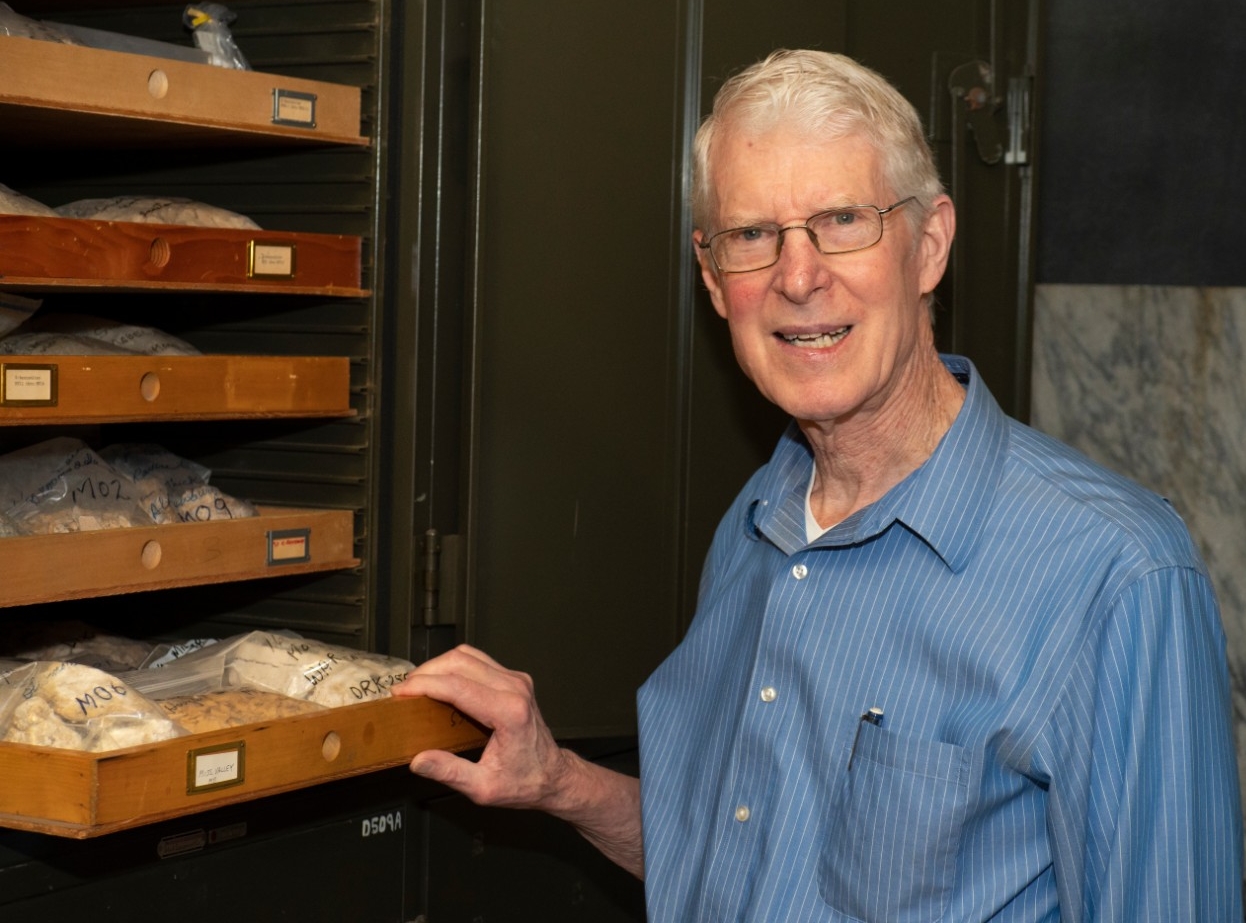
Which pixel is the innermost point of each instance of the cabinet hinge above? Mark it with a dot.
(442, 579)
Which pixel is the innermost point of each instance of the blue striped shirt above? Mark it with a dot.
(1042, 639)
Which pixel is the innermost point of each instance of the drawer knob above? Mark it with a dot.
(149, 386)
(151, 554)
(331, 746)
(159, 254)
(158, 84)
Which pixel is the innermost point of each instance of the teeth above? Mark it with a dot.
(818, 340)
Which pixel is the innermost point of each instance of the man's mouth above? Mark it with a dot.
(821, 340)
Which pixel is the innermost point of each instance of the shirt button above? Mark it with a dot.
(800, 572)
(742, 813)
(769, 694)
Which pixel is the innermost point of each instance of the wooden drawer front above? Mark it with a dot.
(81, 565)
(83, 254)
(90, 389)
(80, 795)
(158, 92)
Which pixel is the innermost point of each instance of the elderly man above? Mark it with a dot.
(942, 667)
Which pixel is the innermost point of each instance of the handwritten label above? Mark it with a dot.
(270, 260)
(102, 488)
(28, 384)
(376, 687)
(215, 767)
(294, 108)
(289, 546)
(92, 700)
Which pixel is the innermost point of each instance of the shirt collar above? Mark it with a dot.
(944, 502)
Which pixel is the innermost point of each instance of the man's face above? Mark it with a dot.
(824, 337)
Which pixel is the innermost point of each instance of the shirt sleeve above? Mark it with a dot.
(1144, 810)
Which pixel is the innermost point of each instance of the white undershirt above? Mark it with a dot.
(813, 529)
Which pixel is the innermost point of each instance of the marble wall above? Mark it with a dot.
(1150, 380)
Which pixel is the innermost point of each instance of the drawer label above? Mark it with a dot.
(291, 107)
(180, 844)
(270, 260)
(212, 768)
(25, 385)
(289, 546)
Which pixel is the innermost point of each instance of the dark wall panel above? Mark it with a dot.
(1144, 151)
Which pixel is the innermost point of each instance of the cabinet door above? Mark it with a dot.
(609, 424)
(575, 465)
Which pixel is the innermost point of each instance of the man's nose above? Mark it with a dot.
(801, 264)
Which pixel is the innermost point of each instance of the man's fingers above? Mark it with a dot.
(472, 780)
(467, 679)
(441, 766)
(471, 664)
(466, 650)
(507, 707)
(470, 697)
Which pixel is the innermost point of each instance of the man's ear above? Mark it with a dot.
(709, 273)
(935, 246)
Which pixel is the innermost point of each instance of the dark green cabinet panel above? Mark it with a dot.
(574, 504)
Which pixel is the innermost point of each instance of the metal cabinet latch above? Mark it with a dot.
(973, 84)
(1018, 121)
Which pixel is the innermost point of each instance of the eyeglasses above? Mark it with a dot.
(836, 230)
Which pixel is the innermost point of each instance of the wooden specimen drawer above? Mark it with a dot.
(47, 87)
(78, 254)
(75, 794)
(119, 389)
(81, 565)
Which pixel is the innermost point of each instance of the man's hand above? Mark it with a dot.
(522, 766)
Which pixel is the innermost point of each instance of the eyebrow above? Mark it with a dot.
(738, 222)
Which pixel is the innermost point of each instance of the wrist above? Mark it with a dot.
(568, 786)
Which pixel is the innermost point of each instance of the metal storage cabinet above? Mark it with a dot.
(346, 850)
(354, 849)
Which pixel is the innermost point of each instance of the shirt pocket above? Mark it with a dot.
(893, 840)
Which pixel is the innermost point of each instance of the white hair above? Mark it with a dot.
(825, 95)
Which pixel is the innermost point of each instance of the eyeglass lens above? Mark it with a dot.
(839, 230)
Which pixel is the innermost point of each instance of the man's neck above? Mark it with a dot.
(857, 460)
